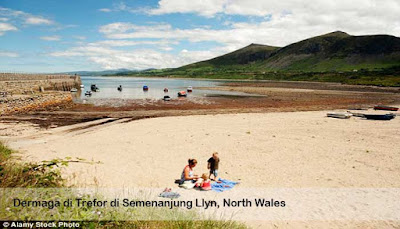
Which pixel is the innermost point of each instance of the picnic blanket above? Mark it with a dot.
(225, 185)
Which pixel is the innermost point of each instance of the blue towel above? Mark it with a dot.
(223, 186)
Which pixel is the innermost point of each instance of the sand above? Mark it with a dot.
(297, 149)
(261, 150)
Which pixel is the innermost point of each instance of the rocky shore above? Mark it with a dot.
(24, 103)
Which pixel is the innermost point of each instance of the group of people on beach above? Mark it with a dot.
(190, 180)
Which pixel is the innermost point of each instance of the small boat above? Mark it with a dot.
(88, 93)
(190, 89)
(361, 115)
(385, 108)
(94, 88)
(82, 86)
(167, 98)
(145, 88)
(182, 94)
(74, 90)
(119, 88)
(339, 115)
(165, 89)
(380, 116)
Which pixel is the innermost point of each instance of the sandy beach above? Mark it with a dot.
(289, 151)
(294, 149)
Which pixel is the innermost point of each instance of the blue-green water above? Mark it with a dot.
(133, 88)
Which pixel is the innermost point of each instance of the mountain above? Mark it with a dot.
(337, 51)
(99, 73)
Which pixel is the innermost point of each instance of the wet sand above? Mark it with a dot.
(261, 98)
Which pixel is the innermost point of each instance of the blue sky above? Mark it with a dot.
(70, 35)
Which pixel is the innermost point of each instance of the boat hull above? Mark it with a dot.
(379, 117)
(338, 115)
(386, 108)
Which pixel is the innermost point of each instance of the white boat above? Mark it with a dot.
(339, 115)
(88, 93)
(82, 86)
(74, 90)
(190, 89)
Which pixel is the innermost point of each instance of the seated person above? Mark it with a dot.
(205, 183)
(188, 178)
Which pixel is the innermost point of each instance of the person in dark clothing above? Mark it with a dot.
(213, 165)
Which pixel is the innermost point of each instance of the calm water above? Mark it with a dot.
(133, 88)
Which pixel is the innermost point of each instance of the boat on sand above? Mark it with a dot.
(380, 116)
(385, 108)
(339, 115)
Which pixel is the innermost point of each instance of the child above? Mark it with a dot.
(206, 183)
(213, 165)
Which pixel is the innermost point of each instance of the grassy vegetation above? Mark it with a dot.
(43, 181)
(28, 175)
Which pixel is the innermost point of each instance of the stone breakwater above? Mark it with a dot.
(24, 103)
(21, 93)
(29, 83)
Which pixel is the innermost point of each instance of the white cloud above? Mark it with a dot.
(19, 18)
(206, 8)
(5, 27)
(34, 20)
(51, 38)
(121, 43)
(121, 6)
(266, 7)
(105, 10)
(8, 54)
(109, 58)
(279, 22)
(285, 22)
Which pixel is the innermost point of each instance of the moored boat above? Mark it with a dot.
(167, 98)
(380, 116)
(190, 89)
(94, 88)
(88, 93)
(145, 88)
(339, 115)
(74, 90)
(182, 94)
(165, 89)
(82, 86)
(385, 108)
(119, 88)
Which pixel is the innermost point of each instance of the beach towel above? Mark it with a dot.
(224, 185)
(170, 195)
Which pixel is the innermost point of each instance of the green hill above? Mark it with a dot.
(333, 57)
(337, 51)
